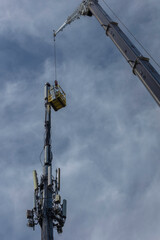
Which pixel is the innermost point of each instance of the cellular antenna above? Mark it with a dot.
(48, 211)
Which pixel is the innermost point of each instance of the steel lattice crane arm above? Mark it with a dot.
(140, 65)
(81, 10)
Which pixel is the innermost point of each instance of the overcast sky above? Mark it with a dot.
(106, 141)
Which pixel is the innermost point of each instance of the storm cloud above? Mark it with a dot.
(106, 141)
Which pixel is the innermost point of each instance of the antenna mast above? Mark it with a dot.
(48, 211)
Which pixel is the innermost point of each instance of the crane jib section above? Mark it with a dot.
(140, 65)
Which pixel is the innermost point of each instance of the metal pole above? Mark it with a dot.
(48, 210)
(47, 205)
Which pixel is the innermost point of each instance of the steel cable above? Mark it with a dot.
(131, 33)
(55, 57)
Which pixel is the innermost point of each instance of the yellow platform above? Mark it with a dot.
(57, 97)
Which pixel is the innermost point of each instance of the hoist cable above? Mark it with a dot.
(55, 57)
(131, 33)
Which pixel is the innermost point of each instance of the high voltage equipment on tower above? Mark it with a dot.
(48, 211)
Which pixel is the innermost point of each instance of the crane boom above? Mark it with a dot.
(81, 10)
(140, 65)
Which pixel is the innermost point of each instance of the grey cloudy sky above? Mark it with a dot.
(106, 140)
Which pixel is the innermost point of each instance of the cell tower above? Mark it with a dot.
(48, 211)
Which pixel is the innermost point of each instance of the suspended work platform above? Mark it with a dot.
(57, 97)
